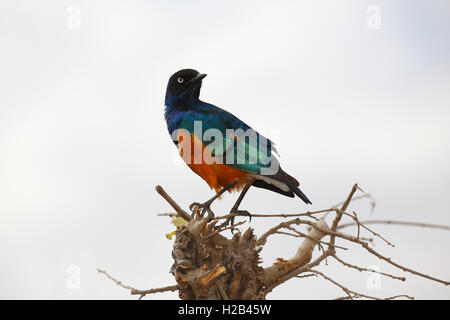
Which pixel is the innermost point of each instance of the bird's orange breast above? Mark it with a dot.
(216, 175)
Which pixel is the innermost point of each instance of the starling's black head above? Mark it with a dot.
(184, 81)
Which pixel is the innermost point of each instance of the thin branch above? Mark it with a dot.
(339, 216)
(172, 203)
(353, 294)
(142, 293)
(359, 224)
(361, 269)
(363, 196)
(389, 260)
(396, 222)
(135, 291)
(277, 215)
(304, 235)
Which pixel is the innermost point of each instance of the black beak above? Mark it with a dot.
(197, 78)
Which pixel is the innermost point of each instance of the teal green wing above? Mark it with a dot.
(230, 140)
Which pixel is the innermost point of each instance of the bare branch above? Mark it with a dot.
(396, 222)
(172, 203)
(367, 269)
(353, 294)
(135, 291)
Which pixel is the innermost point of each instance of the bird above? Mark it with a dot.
(245, 163)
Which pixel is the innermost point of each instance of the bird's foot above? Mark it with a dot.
(203, 208)
(237, 212)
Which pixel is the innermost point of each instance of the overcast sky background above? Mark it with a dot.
(83, 141)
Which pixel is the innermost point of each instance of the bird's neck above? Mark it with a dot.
(178, 105)
(176, 108)
(183, 100)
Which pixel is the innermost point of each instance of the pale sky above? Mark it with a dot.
(83, 141)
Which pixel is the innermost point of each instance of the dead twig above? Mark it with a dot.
(186, 216)
(135, 291)
(396, 222)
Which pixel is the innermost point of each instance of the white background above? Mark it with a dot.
(83, 141)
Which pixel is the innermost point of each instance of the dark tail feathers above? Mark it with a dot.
(300, 194)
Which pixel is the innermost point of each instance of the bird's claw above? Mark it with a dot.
(241, 213)
(193, 205)
(203, 208)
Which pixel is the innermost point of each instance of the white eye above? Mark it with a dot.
(180, 80)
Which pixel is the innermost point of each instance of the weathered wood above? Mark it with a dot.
(208, 265)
